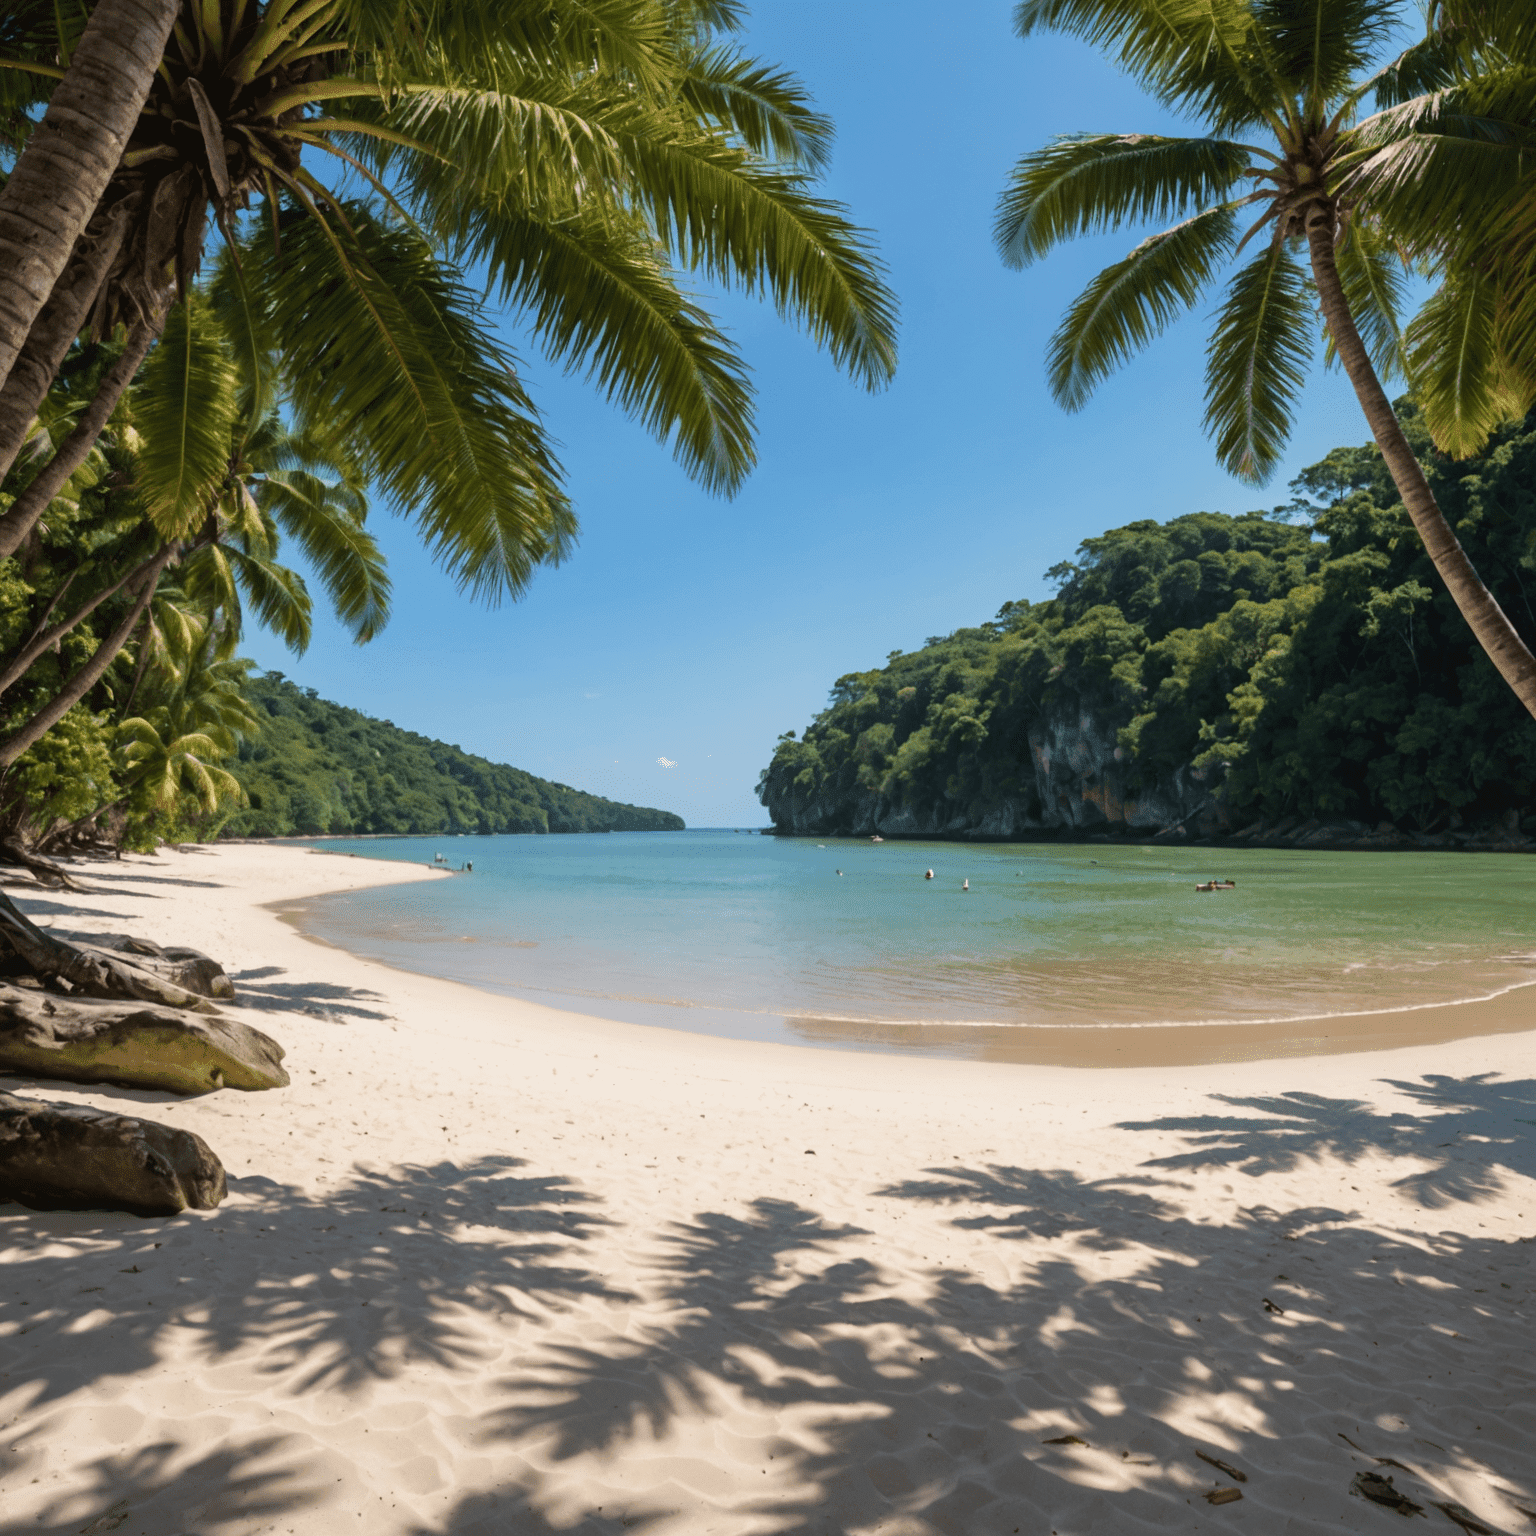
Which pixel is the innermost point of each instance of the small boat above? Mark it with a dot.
(1207, 885)
(877, 838)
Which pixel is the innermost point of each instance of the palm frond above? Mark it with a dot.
(384, 353)
(758, 229)
(1081, 184)
(767, 109)
(1317, 46)
(185, 407)
(1195, 55)
(600, 298)
(1460, 379)
(1433, 64)
(1375, 280)
(344, 555)
(1256, 363)
(1133, 301)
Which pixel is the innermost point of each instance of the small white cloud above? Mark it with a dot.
(666, 762)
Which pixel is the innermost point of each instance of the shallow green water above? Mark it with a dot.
(757, 936)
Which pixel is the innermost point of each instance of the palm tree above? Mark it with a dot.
(214, 478)
(1324, 182)
(578, 155)
(60, 177)
(195, 719)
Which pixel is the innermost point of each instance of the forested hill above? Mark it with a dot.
(1299, 676)
(318, 767)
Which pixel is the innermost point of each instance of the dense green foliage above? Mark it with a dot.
(317, 767)
(1307, 660)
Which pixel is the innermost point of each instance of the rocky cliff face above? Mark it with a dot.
(1081, 786)
(1081, 789)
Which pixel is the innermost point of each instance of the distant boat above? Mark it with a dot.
(877, 838)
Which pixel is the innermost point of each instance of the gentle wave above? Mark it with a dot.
(937, 1023)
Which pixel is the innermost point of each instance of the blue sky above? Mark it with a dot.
(697, 630)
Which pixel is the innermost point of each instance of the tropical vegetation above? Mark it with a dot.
(1300, 663)
(279, 303)
(316, 767)
(1329, 212)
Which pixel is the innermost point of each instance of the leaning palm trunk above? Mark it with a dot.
(86, 678)
(47, 635)
(22, 516)
(62, 318)
(57, 183)
(1488, 622)
(1412, 178)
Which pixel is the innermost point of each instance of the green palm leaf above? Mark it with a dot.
(1084, 183)
(1317, 46)
(1256, 364)
(384, 353)
(1195, 54)
(1131, 302)
(767, 109)
(1456, 364)
(343, 554)
(185, 408)
(757, 229)
(599, 297)
(1375, 283)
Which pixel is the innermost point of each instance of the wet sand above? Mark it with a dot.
(1187, 1045)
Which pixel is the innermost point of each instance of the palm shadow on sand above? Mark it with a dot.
(161, 1490)
(1470, 1132)
(1123, 1320)
(255, 987)
(350, 1285)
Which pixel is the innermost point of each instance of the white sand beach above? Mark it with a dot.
(491, 1268)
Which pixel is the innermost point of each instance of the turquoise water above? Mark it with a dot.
(761, 937)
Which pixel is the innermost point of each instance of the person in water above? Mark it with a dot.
(929, 875)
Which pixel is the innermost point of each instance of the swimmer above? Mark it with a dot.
(929, 875)
(839, 871)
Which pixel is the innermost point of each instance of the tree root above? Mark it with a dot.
(44, 870)
(93, 972)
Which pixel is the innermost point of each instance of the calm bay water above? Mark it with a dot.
(759, 937)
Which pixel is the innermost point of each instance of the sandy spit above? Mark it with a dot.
(490, 1268)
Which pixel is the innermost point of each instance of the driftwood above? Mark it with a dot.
(14, 851)
(93, 972)
(43, 1034)
(71, 1157)
(190, 969)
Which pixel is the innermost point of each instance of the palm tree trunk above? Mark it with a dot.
(22, 517)
(16, 667)
(62, 318)
(1489, 623)
(60, 177)
(86, 678)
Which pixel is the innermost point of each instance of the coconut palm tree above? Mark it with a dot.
(576, 154)
(105, 64)
(193, 720)
(1332, 210)
(207, 479)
